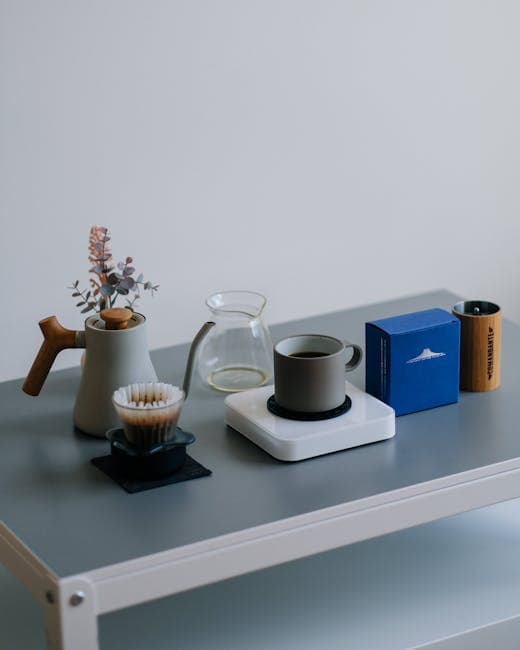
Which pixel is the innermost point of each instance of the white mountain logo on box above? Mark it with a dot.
(425, 355)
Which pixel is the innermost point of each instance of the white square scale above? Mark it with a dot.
(368, 420)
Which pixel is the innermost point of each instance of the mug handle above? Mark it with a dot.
(357, 356)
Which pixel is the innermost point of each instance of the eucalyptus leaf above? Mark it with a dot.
(129, 270)
(122, 290)
(107, 290)
(86, 309)
(127, 283)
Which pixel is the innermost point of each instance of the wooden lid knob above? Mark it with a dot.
(116, 318)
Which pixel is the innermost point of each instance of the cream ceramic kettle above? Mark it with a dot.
(117, 355)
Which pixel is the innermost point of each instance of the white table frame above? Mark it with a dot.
(72, 604)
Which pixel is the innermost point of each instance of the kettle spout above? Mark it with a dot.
(192, 354)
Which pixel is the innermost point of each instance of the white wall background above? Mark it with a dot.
(327, 153)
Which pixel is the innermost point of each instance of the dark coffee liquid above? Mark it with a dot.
(308, 355)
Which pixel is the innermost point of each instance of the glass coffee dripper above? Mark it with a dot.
(238, 352)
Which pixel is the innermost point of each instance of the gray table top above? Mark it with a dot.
(76, 519)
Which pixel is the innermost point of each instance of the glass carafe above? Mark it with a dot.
(238, 352)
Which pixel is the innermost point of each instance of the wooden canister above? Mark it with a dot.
(480, 344)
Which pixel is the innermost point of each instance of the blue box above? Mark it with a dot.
(412, 360)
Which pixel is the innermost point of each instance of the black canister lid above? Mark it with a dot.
(476, 308)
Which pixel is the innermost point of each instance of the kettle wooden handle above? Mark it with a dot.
(56, 338)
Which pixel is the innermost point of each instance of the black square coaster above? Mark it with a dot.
(191, 469)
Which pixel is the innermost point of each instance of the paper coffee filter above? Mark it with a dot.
(148, 395)
(149, 411)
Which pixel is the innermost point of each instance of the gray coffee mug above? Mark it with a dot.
(309, 372)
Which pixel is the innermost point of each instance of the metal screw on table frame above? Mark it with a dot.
(77, 598)
(49, 597)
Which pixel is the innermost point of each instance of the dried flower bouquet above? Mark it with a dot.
(108, 281)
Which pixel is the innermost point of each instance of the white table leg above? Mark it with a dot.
(71, 616)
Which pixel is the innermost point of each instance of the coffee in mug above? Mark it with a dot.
(309, 372)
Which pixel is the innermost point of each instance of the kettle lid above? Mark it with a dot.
(116, 318)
